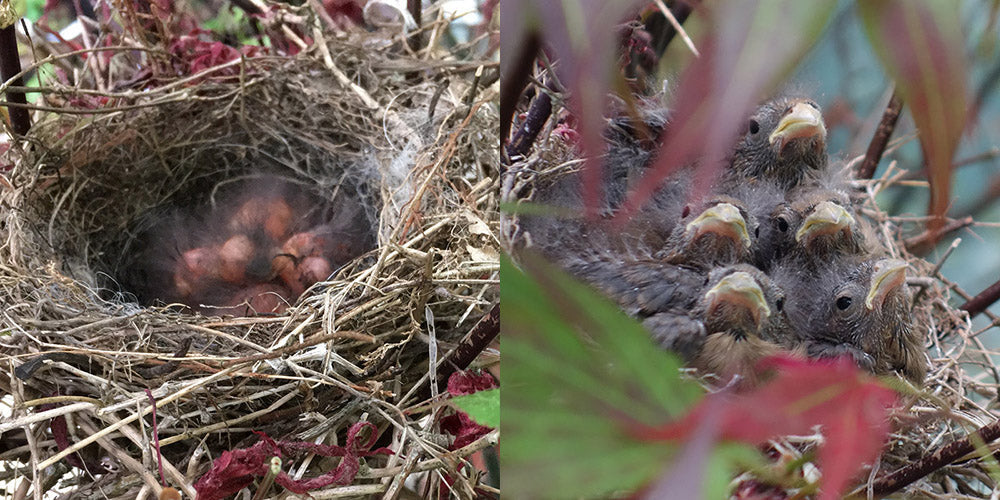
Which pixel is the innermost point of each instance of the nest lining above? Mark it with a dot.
(350, 348)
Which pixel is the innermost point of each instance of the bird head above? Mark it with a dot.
(869, 311)
(723, 220)
(785, 138)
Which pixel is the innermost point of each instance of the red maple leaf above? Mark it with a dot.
(234, 470)
(852, 408)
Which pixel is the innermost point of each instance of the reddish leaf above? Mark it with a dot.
(192, 54)
(234, 470)
(462, 383)
(345, 12)
(920, 43)
(459, 424)
(850, 405)
(465, 430)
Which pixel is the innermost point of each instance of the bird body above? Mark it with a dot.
(744, 317)
(855, 306)
(260, 245)
(774, 258)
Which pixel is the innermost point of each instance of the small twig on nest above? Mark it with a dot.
(881, 137)
(984, 299)
(314, 340)
(478, 338)
(925, 241)
(539, 112)
(683, 11)
(939, 458)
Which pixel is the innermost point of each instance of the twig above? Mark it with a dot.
(939, 458)
(881, 137)
(938, 266)
(314, 340)
(478, 338)
(417, 40)
(539, 112)
(982, 300)
(676, 24)
(925, 241)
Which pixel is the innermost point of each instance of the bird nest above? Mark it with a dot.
(929, 452)
(411, 138)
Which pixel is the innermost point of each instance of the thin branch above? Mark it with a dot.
(981, 301)
(684, 9)
(881, 137)
(416, 10)
(924, 242)
(525, 136)
(661, 38)
(939, 458)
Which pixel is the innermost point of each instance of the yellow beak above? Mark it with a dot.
(826, 218)
(888, 275)
(739, 289)
(722, 219)
(801, 121)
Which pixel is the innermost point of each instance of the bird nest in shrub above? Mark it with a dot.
(91, 341)
(929, 452)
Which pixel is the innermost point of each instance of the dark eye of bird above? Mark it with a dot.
(780, 303)
(754, 127)
(782, 224)
(814, 105)
(756, 232)
(686, 212)
(843, 303)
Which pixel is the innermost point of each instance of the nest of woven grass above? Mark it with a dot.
(959, 394)
(413, 139)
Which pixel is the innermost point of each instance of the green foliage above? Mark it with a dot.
(482, 406)
(578, 375)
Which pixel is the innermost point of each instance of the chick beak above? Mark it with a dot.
(741, 290)
(888, 276)
(826, 218)
(802, 121)
(724, 220)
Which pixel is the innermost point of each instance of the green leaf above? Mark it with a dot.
(920, 44)
(578, 374)
(482, 406)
